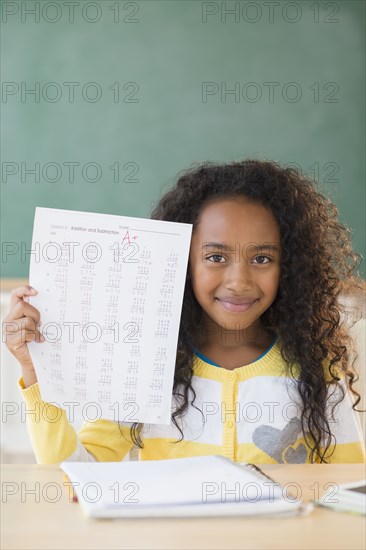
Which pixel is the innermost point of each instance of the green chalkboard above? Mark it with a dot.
(103, 103)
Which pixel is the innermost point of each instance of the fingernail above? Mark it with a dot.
(42, 338)
(32, 290)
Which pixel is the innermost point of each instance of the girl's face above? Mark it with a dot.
(236, 279)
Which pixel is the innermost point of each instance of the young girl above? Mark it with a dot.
(263, 368)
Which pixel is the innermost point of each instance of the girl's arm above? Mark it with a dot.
(54, 439)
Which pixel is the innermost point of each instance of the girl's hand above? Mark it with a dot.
(21, 326)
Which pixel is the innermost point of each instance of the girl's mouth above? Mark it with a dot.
(235, 307)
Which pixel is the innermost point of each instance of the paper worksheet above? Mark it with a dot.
(110, 291)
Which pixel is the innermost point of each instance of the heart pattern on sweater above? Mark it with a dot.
(280, 444)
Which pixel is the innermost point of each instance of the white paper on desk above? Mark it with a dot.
(194, 486)
(191, 480)
(110, 291)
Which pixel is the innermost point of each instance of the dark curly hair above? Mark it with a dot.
(318, 263)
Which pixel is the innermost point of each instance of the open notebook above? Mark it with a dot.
(195, 486)
(348, 497)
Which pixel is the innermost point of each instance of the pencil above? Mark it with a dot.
(72, 494)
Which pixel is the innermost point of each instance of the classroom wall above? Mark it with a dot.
(153, 83)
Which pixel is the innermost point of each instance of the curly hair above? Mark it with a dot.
(318, 263)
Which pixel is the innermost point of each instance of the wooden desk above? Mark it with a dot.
(61, 525)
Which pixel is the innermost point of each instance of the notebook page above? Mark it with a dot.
(110, 291)
(194, 480)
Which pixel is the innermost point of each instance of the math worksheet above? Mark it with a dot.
(110, 293)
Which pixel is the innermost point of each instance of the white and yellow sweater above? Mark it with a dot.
(249, 414)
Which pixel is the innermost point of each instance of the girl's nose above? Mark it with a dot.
(239, 277)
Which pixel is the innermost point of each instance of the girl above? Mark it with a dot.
(263, 369)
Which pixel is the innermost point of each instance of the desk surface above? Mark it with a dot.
(41, 524)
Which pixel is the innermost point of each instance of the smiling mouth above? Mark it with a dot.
(229, 306)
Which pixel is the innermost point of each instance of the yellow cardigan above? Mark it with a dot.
(249, 414)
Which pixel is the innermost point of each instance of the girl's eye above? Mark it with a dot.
(215, 256)
(263, 257)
